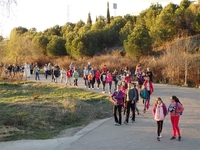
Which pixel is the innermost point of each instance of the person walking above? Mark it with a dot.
(175, 108)
(131, 98)
(109, 81)
(62, 75)
(36, 70)
(103, 81)
(115, 78)
(75, 76)
(97, 77)
(85, 76)
(68, 77)
(137, 98)
(90, 81)
(45, 71)
(149, 87)
(159, 112)
(117, 98)
(56, 74)
(123, 89)
(150, 74)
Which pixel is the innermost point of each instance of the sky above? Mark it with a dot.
(43, 14)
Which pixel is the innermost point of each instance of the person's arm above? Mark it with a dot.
(180, 108)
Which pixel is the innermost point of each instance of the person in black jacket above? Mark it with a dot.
(131, 98)
(56, 73)
(150, 74)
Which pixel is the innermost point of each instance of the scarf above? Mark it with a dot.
(159, 115)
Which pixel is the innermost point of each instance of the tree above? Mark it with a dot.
(108, 14)
(165, 28)
(56, 46)
(125, 31)
(89, 20)
(40, 42)
(139, 43)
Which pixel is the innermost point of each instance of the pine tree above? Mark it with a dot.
(89, 20)
(108, 14)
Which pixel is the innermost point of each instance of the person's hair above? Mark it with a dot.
(158, 99)
(176, 99)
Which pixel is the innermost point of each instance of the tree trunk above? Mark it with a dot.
(186, 71)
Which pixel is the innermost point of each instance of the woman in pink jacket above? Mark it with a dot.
(175, 108)
(149, 87)
(109, 81)
(159, 111)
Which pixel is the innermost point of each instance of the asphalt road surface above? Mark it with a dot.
(103, 135)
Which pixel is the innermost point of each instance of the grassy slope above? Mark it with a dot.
(41, 111)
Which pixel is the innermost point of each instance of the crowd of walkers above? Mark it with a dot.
(125, 95)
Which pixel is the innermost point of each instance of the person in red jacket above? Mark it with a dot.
(97, 77)
(175, 108)
(68, 77)
(149, 87)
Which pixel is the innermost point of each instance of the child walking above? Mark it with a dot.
(175, 108)
(159, 111)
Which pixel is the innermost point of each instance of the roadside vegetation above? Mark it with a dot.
(40, 111)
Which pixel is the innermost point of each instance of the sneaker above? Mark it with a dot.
(103, 91)
(158, 138)
(173, 137)
(117, 124)
(125, 122)
(179, 138)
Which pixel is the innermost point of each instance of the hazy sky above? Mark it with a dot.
(43, 14)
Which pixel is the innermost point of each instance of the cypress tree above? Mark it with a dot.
(108, 14)
(89, 20)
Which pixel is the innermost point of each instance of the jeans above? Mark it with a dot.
(37, 77)
(109, 86)
(117, 109)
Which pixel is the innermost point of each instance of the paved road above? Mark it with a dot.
(103, 135)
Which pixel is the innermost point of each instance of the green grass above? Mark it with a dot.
(39, 111)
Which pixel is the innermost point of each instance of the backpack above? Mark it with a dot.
(175, 107)
(143, 94)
